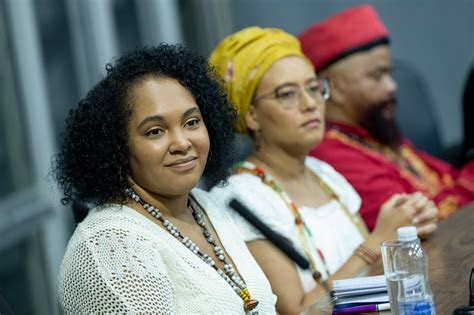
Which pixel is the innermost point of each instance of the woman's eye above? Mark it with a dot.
(314, 89)
(192, 122)
(287, 94)
(154, 132)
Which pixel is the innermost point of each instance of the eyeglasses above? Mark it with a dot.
(289, 95)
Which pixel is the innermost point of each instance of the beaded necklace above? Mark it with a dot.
(304, 233)
(229, 274)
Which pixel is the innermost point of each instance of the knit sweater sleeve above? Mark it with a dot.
(112, 270)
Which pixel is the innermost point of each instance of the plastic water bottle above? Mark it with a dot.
(414, 293)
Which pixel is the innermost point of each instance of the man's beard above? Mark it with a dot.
(384, 130)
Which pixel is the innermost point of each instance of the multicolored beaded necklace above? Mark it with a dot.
(305, 234)
(229, 275)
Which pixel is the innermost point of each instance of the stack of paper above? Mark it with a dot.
(360, 291)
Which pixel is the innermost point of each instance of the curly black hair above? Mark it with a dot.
(92, 164)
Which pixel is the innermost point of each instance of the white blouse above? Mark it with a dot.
(119, 261)
(333, 231)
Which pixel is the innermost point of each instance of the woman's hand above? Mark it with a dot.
(402, 210)
(394, 213)
(424, 215)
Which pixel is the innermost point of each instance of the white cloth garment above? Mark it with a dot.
(332, 230)
(119, 261)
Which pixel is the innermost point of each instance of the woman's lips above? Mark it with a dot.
(183, 164)
(312, 123)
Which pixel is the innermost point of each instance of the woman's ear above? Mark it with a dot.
(251, 118)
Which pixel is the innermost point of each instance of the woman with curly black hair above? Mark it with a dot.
(136, 146)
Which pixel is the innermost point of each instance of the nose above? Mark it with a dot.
(307, 102)
(390, 84)
(179, 143)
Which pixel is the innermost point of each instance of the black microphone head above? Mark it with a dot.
(467, 309)
(471, 288)
(464, 310)
(235, 204)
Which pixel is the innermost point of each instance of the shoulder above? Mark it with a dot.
(106, 255)
(211, 204)
(338, 183)
(356, 163)
(259, 198)
(110, 233)
(243, 181)
(113, 238)
(114, 217)
(327, 172)
(219, 212)
(338, 149)
(245, 187)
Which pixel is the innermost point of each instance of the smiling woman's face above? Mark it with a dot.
(168, 141)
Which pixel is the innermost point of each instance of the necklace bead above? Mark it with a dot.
(229, 275)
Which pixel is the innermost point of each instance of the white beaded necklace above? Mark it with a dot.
(229, 275)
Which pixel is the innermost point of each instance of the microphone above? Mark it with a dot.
(279, 241)
(467, 309)
(471, 289)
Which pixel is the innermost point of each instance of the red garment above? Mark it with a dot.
(373, 172)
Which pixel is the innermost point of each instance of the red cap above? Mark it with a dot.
(352, 30)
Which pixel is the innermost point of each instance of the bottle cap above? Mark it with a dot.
(407, 233)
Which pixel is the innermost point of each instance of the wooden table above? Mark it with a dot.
(450, 258)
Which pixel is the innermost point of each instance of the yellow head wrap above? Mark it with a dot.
(243, 57)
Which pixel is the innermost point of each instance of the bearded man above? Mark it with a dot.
(363, 140)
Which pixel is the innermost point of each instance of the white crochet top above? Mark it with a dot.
(333, 231)
(119, 261)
